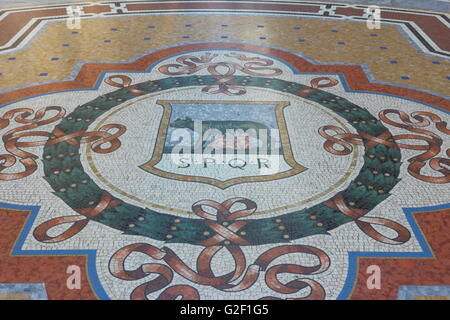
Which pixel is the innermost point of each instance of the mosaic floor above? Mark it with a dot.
(224, 150)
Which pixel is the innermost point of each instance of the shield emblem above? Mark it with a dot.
(223, 143)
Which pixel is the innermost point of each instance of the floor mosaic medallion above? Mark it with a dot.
(210, 150)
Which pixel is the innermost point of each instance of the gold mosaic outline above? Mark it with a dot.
(344, 178)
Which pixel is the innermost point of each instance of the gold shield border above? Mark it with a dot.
(288, 156)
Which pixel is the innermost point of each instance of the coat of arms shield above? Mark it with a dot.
(198, 141)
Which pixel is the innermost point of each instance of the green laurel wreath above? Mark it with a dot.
(65, 174)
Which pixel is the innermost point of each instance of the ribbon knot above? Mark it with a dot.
(365, 224)
(125, 84)
(315, 84)
(223, 222)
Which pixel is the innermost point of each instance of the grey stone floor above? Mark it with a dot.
(442, 5)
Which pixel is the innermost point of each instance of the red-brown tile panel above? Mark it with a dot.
(15, 21)
(96, 9)
(431, 25)
(50, 270)
(396, 272)
(223, 6)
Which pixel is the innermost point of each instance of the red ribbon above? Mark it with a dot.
(14, 144)
(431, 148)
(224, 216)
(316, 83)
(126, 84)
(205, 276)
(190, 64)
(365, 223)
(78, 222)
